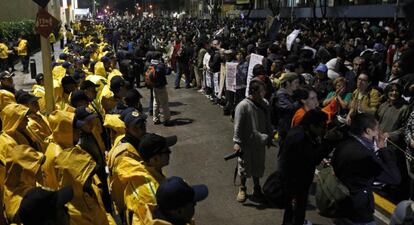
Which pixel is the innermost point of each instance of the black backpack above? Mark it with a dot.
(275, 190)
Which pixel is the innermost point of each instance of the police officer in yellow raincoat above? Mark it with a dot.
(37, 129)
(68, 164)
(143, 180)
(23, 163)
(124, 157)
(85, 118)
(38, 90)
(176, 202)
(6, 89)
(22, 52)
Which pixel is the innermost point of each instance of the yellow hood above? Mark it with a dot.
(113, 122)
(12, 115)
(100, 69)
(23, 167)
(61, 124)
(77, 163)
(114, 73)
(58, 72)
(6, 97)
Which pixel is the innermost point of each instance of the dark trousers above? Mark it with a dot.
(295, 211)
(4, 64)
(11, 62)
(52, 47)
(183, 68)
(25, 62)
(62, 43)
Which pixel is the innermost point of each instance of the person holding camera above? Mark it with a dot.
(252, 133)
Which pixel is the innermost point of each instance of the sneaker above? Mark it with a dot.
(200, 90)
(177, 87)
(241, 196)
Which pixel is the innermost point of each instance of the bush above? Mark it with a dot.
(12, 30)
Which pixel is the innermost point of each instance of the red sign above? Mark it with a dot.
(45, 23)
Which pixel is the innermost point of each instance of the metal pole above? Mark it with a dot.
(47, 72)
(291, 11)
(93, 8)
(397, 8)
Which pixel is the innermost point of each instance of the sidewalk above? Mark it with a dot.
(24, 81)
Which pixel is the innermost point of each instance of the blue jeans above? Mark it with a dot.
(182, 68)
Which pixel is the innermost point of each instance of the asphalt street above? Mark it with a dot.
(204, 137)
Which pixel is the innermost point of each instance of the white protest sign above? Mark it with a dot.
(216, 83)
(231, 70)
(291, 38)
(208, 79)
(254, 60)
(222, 79)
(206, 60)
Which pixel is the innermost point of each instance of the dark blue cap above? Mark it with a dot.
(66, 65)
(153, 144)
(132, 117)
(174, 193)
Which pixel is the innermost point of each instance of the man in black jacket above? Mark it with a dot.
(357, 162)
(304, 148)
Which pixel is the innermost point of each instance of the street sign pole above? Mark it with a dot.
(47, 72)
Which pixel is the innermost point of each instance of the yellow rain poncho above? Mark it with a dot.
(22, 48)
(6, 97)
(126, 154)
(58, 72)
(23, 164)
(38, 130)
(11, 116)
(77, 169)
(22, 161)
(39, 91)
(115, 125)
(100, 69)
(2, 179)
(142, 184)
(107, 99)
(61, 123)
(114, 73)
(70, 165)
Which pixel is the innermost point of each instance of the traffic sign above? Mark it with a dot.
(42, 3)
(45, 23)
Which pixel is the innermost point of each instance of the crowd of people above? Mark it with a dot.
(94, 157)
